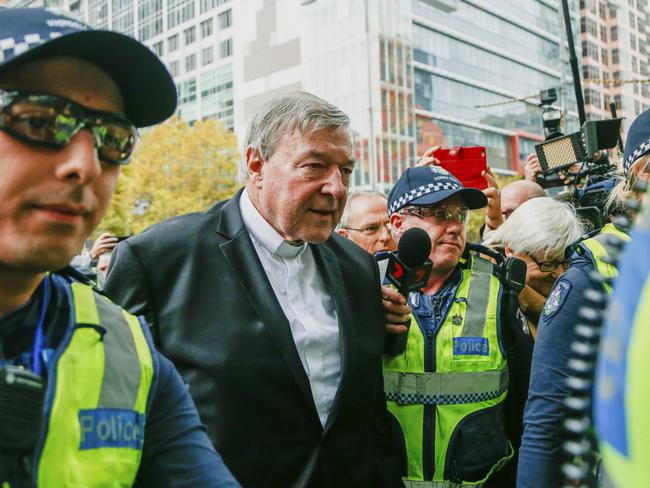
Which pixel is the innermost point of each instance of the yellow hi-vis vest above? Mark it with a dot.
(597, 250)
(447, 389)
(96, 400)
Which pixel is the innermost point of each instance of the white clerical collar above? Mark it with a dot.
(264, 233)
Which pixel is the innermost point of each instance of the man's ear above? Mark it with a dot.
(344, 233)
(397, 223)
(254, 164)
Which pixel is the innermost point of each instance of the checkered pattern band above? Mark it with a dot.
(411, 195)
(403, 399)
(11, 47)
(643, 148)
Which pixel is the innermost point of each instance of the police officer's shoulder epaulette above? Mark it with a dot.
(575, 245)
(73, 274)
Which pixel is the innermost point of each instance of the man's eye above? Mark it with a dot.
(314, 165)
(346, 171)
(372, 228)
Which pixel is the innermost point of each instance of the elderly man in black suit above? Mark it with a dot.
(275, 321)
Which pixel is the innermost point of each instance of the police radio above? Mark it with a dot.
(21, 405)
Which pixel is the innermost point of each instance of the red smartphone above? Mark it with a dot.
(466, 164)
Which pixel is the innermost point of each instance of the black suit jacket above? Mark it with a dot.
(199, 282)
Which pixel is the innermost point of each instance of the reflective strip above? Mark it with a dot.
(119, 390)
(444, 388)
(478, 297)
(438, 484)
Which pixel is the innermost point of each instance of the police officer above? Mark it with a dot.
(85, 400)
(621, 402)
(447, 391)
(541, 455)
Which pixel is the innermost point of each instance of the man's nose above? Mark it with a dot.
(78, 161)
(335, 184)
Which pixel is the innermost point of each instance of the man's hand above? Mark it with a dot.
(532, 167)
(493, 215)
(104, 243)
(398, 312)
(427, 158)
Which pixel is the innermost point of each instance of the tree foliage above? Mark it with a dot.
(176, 169)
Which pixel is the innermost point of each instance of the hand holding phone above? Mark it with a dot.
(468, 164)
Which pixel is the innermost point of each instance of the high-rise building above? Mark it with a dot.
(411, 73)
(615, 57)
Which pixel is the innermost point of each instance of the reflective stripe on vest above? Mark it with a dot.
(598, 246)
(444, 388)
(96, 401)
(470, 376)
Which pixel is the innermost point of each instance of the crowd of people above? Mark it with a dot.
(245, 345)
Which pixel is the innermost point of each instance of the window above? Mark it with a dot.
(618, 101)
(615, 59)
(226, 48)
(211, 4)
(190, 35)
(613, 33)
(179, 11)
(158, 48)
(635, 65)
(603, 33)
(633, 42)
(207, 55)
(190, 63)
(173, 68)
(172, 43)
(206, 28)
(588, 25)
(590, 50)
(592, 97)
(225, 19)
(603, 12)
(637, 107)
(612, 13)
(605, 57)
(636, 88)
(632, 20)
(590, 72)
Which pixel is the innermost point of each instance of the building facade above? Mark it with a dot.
(411, 73)
(615, 57)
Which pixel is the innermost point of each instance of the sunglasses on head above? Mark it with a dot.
(53, 121)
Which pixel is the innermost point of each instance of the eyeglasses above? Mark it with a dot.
(53, 121)
(548, 266)
(372, 229)
(439, 214)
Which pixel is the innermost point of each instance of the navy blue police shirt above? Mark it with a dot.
(540, 456)
(176, 451)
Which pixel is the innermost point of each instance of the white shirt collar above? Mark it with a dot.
(264, 233)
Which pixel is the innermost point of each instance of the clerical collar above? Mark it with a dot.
(264, 233)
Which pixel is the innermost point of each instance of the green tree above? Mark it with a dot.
(176, 169)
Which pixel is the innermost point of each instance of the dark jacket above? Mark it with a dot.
(200, 284)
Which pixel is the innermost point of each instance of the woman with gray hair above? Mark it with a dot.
(538, 232)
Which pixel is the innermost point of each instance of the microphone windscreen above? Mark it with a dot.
(414, 247)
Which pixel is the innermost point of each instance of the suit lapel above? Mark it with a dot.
(247, 268)
(330, 270)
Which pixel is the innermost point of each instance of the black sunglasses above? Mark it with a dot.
(53, 121)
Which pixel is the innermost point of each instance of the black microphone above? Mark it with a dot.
(408, 270)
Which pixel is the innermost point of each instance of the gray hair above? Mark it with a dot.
(540, 227)
(282, 115)
(345, 218)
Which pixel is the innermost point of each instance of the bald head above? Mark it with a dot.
(518, 192)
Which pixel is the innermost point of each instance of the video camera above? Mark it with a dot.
(584, 148)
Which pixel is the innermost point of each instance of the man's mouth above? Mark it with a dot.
(63, 212)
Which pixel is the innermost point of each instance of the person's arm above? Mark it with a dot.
(177, 452)
(126, 283)
(531, 303)
(540, 456)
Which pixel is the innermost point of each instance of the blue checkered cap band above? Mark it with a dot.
(411, 195)
(414, 399)
(639, 151)
(11, 47)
